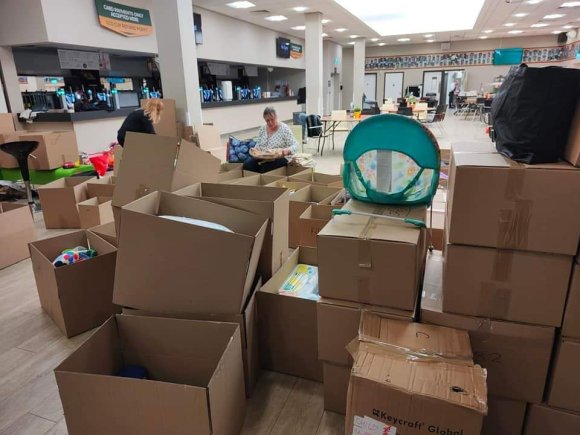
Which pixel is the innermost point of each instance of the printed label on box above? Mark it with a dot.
(368, 426)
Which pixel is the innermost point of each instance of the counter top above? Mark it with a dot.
(242, 102)
(82, 116)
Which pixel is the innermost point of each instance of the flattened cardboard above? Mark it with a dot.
(336, 380)
(495, 202)
(318, 178)
(195, 370)
(271, 204)
(572, 151)
(60, 199)
(504, 416)
(167, 125)
(565, 382)
(571, 325)
(288, 336)
(516, 356)
(77, 297)
(371, 260)
(104, 186)
(314, 218)
(181, 277)
(543, 420)
(95, 211)
(54, 149)
(107, 232)
(16, 231)
(518, 286)
(338, 325)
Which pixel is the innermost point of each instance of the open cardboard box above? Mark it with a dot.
(318, 178)
(183, 277)
(77, 297)
(271, 204)
(16, 231)
(60, 199)
(95, 211)
(571, 325)
(252, 179)
(288, 337)
(314, 218)
(195, 383)
(104, 186)
(290, 170)
(542, 420)
(107, 232)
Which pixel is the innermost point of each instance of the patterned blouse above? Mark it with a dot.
(281, 138)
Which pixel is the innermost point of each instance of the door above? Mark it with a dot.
(370, 87)
(453, 77)
(337, 86)
(432, 83)
(393, 86)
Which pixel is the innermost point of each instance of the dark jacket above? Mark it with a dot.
(136, 121)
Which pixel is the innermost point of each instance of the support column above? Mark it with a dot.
(313, 58)
(358, 73)
(178, 57)
(10, 79)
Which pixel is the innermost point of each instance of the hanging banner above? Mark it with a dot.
(126, 20)
(295, 51)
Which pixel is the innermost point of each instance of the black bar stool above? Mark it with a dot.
(20, 151)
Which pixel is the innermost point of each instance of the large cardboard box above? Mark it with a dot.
(54, 149)
(95, 211)
(410, 380)
(319, 179)
(565, 382)
(338, 325)
(504, 417)
(543, 420)
(499, 203)
(104, 186)
(271, 204)
(77, 297)
(516, 356)
(107, 232)
(189, 268)
(248, 321)
(250, 179)
(571, 325)
(230, 172)
(314, 218)
(60, 199)
(519, 286)
(195, 383)
(6, 123)
(572, 151)
(372, 260)
(16, 231)
(336, 378)
(288, 336)
(167, 125)
(290, 170)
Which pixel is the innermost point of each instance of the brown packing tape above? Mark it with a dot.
(365, 261)
(502, 265)
(494, 301)
(514, 221)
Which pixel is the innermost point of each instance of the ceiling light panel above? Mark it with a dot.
(488, 31)
(298, 28)
(404, 39)
(341, 29)
(381, 44)
(325, 21)
(538, 25)
(520, 15)
(509, 24)
(300, 8)
(241, 5)
(276, 18)
(570, 5)
(515, 32)
(374, 39)
(553, 16)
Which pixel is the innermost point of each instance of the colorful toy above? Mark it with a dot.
(74, 255)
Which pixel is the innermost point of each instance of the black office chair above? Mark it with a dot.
(315, 128)
(20, 151)
(405, 111)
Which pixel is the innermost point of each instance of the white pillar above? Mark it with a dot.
(358, 73)
(13, 96)
(313, 58)
(173, 20)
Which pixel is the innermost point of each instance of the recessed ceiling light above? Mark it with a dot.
(554, 16)
(556, 32)
(570, 5)
(428, 35)
(298, 28)
(374, 39)
(509, 24)
(568, 27)
(533, 2)
(342, 29)
(300, 8)
(430, 40)
(324, 35)
(540, 25)
(483, 37)
(515, 32)
(520, 15)
(276, 18)
(325, 21)
(404, 39)
(488, 31)
(241, 5)
(380, 44)
(353, 36)
(351, 43)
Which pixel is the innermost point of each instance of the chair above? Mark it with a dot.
(421, 109)
(405, 111)
(20, 151)
(438, 117)
(315, 128)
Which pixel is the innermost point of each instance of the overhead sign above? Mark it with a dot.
(75, 59)
(295, 51)
(126, 20)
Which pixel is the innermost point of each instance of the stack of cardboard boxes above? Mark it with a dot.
(511, 234)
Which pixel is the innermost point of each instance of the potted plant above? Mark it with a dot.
(356, 113)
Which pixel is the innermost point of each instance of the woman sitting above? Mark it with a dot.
(274, 144)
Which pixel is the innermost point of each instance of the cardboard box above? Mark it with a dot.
(271, 204)
(6, 123)
(60, 199)
(95, 211)
(336, 380)
(208, 137)
(54, 149)
(338, 325)
(230, 171)
(571, 325)
(167, 125)
(498, 203)
(152, 163)
(172, 273)
(504, 417)
(16, 231)
(319, 179)
(516, 356)
(251, 179)
(565, 382)
(104, 186)
(107, 232)
(288, 336)
(410, 380)
(77, 297)
(248, 322)
(572, 151)
(543, 420)
(290, 171)
(371, 260)
(6, 160)
(518, 286)
(314, 218)
(194, 368)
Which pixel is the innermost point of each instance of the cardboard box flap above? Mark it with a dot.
(407, 315)
(67, 182)
(454, 383)
(365, 227)
(234, 191)
(472, 147)
(301, 255)
(194, 164)
(480, 159)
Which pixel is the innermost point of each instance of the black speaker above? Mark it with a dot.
(562, 38)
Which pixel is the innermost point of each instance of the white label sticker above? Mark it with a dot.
(368, 426)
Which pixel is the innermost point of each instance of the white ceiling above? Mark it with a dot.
(493, 16)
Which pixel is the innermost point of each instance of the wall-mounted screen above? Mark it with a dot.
(508, 56)
(283, 48)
